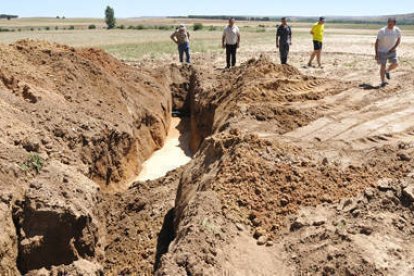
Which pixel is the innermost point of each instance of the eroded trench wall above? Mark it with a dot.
(75, 122)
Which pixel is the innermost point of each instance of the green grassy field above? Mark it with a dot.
(136, 44)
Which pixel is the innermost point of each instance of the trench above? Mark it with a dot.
(174, 154)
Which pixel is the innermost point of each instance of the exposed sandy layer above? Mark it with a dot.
(173, 154)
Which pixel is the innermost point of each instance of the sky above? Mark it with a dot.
(136, 8)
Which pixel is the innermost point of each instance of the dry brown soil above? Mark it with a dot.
(295, 171)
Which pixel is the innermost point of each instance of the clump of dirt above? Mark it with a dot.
(360, 235)
(139, 225)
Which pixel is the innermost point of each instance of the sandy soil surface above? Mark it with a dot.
(175, 152)
(296, 171)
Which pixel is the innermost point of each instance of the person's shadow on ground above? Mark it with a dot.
(367, 86)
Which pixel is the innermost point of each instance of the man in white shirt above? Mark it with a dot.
(388, 40)
(231, 42)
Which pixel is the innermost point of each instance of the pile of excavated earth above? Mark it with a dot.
(291, 174)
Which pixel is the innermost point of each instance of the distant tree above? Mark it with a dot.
(58, 17)
(92, 27)
(197, 27)
(110, 17)
(63, 17)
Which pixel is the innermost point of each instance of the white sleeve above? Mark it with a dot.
(399, 32)
(380, 35)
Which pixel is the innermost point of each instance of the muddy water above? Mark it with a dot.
(175, 153)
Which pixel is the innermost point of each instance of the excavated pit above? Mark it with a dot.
(248, 202)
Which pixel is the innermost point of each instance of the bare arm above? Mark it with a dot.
(277, 38)
(396, 45)
(238, 40)
(173, 38)
(223, 40)
(376, 49)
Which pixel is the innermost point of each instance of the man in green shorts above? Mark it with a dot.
(388, 40)
(318, 30)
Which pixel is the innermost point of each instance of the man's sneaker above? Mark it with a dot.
(388, 75)
(384, 84)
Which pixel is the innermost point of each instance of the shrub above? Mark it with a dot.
(33, 162)
(140, 27)
(197, 27)
(121, 27)
(71, 27)
(212, 28)
(47, 28)
(56, 28)
(164, 27)
(92, 27)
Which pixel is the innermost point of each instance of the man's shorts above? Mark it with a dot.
(317, 45)
(391, 57)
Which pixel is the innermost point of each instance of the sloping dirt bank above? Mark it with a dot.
(252, 178)
(76, 125)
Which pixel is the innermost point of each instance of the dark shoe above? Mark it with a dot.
(384, 84)
(388, 75)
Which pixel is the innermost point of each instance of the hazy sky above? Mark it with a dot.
(131, 8)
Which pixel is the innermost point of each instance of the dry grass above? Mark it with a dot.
(136, 44)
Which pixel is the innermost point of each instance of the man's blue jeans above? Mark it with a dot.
(184, 49)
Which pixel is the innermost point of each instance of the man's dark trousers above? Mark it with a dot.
(284, 52)
(231, 51)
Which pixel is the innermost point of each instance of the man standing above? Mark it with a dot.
(388, 40)
(283, 40)
(317, 32)
(231, 42)
(182, 38)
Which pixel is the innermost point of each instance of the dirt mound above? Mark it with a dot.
(249, 179)
(75, 122)
(86, 103)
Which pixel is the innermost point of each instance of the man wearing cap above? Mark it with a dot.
(318, 30)
(182, 38)
(283, 40)
(388, 40)
(231, 42)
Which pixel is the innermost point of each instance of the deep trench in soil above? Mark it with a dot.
(175, 152)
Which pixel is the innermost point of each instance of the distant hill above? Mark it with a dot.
(403, 19)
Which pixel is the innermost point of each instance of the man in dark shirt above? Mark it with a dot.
(283, 40)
